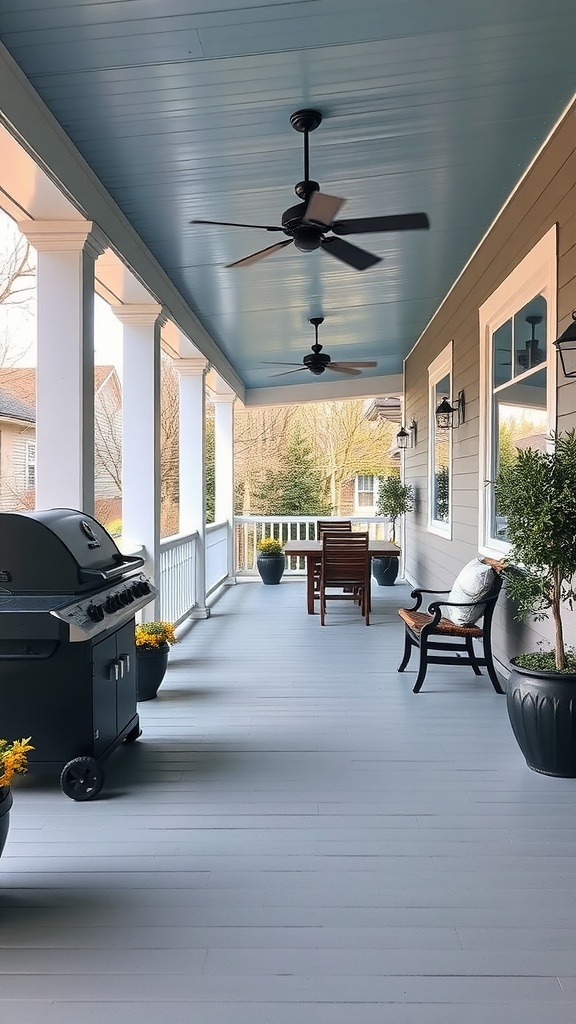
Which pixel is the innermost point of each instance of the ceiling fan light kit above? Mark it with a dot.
(308, 224)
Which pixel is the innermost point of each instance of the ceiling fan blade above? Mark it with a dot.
(350, 254)
(286, 372)
(394, 222)
(339, 368)
(322, 209)
(268, 362)
(355, 363)
(260, 255)
(230, 224)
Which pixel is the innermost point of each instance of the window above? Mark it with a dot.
(440, 451)
(364, 491)
(517, 389)
(30, 468)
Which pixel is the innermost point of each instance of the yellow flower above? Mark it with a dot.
(150, 635)
(269, 546)
(13, 758)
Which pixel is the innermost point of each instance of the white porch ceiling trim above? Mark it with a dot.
(335, 391)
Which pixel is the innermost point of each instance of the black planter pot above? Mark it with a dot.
(542, 712)
(385, 570)
(271, 568)
(5, 805)
(150, 670)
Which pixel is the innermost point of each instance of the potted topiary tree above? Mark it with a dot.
(394, 500)
(270, 560)
(536, 492)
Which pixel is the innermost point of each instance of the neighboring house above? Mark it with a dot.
(17, 451)
(18, 440)
(358, 496)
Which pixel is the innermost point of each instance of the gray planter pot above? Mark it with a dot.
(271, 568)
(5, 805)
(542, 711)
(150, 671)
(385, 570)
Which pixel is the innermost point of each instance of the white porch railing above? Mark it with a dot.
(249, 530)
(177, 576)
(216, 555)
(177, 570)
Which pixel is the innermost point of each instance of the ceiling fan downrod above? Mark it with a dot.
(306, 121)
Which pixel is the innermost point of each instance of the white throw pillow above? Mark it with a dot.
(472, 583)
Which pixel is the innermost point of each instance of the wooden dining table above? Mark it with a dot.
(311, 550)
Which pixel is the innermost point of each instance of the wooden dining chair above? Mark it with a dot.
(345, 566)
(327, 526)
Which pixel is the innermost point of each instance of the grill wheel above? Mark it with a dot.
(82, 778)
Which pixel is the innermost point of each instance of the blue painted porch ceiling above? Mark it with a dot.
(182, 110)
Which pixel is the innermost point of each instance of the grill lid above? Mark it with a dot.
(58, 551)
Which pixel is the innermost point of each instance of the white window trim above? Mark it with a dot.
(359, 509)
(438, 369)
(536, 274)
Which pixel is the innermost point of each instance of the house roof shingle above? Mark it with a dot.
(15, 409)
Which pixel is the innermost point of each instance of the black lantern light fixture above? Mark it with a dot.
(451, 415)
(566, 346)
(407, 438)
(402, 438)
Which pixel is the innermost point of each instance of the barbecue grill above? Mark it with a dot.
(68, 599)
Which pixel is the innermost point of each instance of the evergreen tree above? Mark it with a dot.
(295, 488)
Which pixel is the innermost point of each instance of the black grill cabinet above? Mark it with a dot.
(68, 599)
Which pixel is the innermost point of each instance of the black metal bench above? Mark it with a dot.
(431, 631)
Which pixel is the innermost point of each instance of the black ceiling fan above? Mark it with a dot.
(318, 361)
(309, 222)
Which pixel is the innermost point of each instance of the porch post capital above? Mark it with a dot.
(193, 367)
(140, 314)
(65, 236)
(218, 399)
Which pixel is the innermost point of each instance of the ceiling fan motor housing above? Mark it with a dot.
(316, 361)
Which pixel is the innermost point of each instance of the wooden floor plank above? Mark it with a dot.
(297, 837)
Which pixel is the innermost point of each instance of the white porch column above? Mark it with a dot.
(66, 251)
(142, 323)
(224, 469)
(192, 449)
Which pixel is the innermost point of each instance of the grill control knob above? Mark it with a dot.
(109, 606)
(145, 587)
(95, 612)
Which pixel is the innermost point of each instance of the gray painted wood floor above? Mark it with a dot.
(297, 839)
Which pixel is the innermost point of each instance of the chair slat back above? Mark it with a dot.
(333, 526)
(344, 558)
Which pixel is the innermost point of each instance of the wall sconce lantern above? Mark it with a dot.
(451, 415)
(566, 346)
(402, 438)
(407, 438)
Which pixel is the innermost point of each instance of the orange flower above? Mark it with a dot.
(13, 758)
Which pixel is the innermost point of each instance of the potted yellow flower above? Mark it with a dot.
(13, 758)
(153, 642)
(270, 560)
